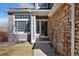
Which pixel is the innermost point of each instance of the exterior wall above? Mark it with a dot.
(59, 30)
(20, 37)
(77, 29)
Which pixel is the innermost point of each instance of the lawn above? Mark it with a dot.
(23, 49)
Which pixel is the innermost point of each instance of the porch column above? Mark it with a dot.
(33, 29)
(10, 25)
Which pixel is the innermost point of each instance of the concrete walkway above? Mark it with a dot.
(43, 49)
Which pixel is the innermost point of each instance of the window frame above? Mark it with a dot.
(40, 20)
(43, 6)
(26, 20)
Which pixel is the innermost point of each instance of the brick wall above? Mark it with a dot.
(59, 30)
(77, 29)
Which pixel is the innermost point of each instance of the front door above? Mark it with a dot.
(42, 28)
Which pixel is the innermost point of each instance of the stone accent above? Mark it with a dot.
(59, 30)
(10, 23)
(10, 26)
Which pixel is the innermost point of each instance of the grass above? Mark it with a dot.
(17, 50)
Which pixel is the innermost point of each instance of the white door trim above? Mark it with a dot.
(40, 26)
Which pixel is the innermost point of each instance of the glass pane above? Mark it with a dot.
(44, 28)
(27, 27)
(43, 5)
(22, 16)
(16, 26)
(28, 5)
(37, 26)
(22, 26)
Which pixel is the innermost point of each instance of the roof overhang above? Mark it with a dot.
(54, 8)
(36, 12)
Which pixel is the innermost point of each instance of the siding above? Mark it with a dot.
(59, 30)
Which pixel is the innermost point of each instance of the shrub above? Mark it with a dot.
(3, 36)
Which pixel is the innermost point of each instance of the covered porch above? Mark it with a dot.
(34, 29)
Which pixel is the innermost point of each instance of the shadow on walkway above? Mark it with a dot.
(43, 49)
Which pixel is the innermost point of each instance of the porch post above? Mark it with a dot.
(33, 29)
(10, 26)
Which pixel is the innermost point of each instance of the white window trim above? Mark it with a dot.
(14, 25)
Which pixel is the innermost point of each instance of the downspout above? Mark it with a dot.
(72, 29)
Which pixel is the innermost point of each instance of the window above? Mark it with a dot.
(22, 16)
(30, 5)
(44, 28)
(22, 26)
(22, 23)
(37, 27)
(43, 5)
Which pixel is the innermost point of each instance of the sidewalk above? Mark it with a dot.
(43, 49)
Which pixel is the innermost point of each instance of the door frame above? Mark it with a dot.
(40, 27)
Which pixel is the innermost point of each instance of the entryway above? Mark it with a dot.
(41, 28)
